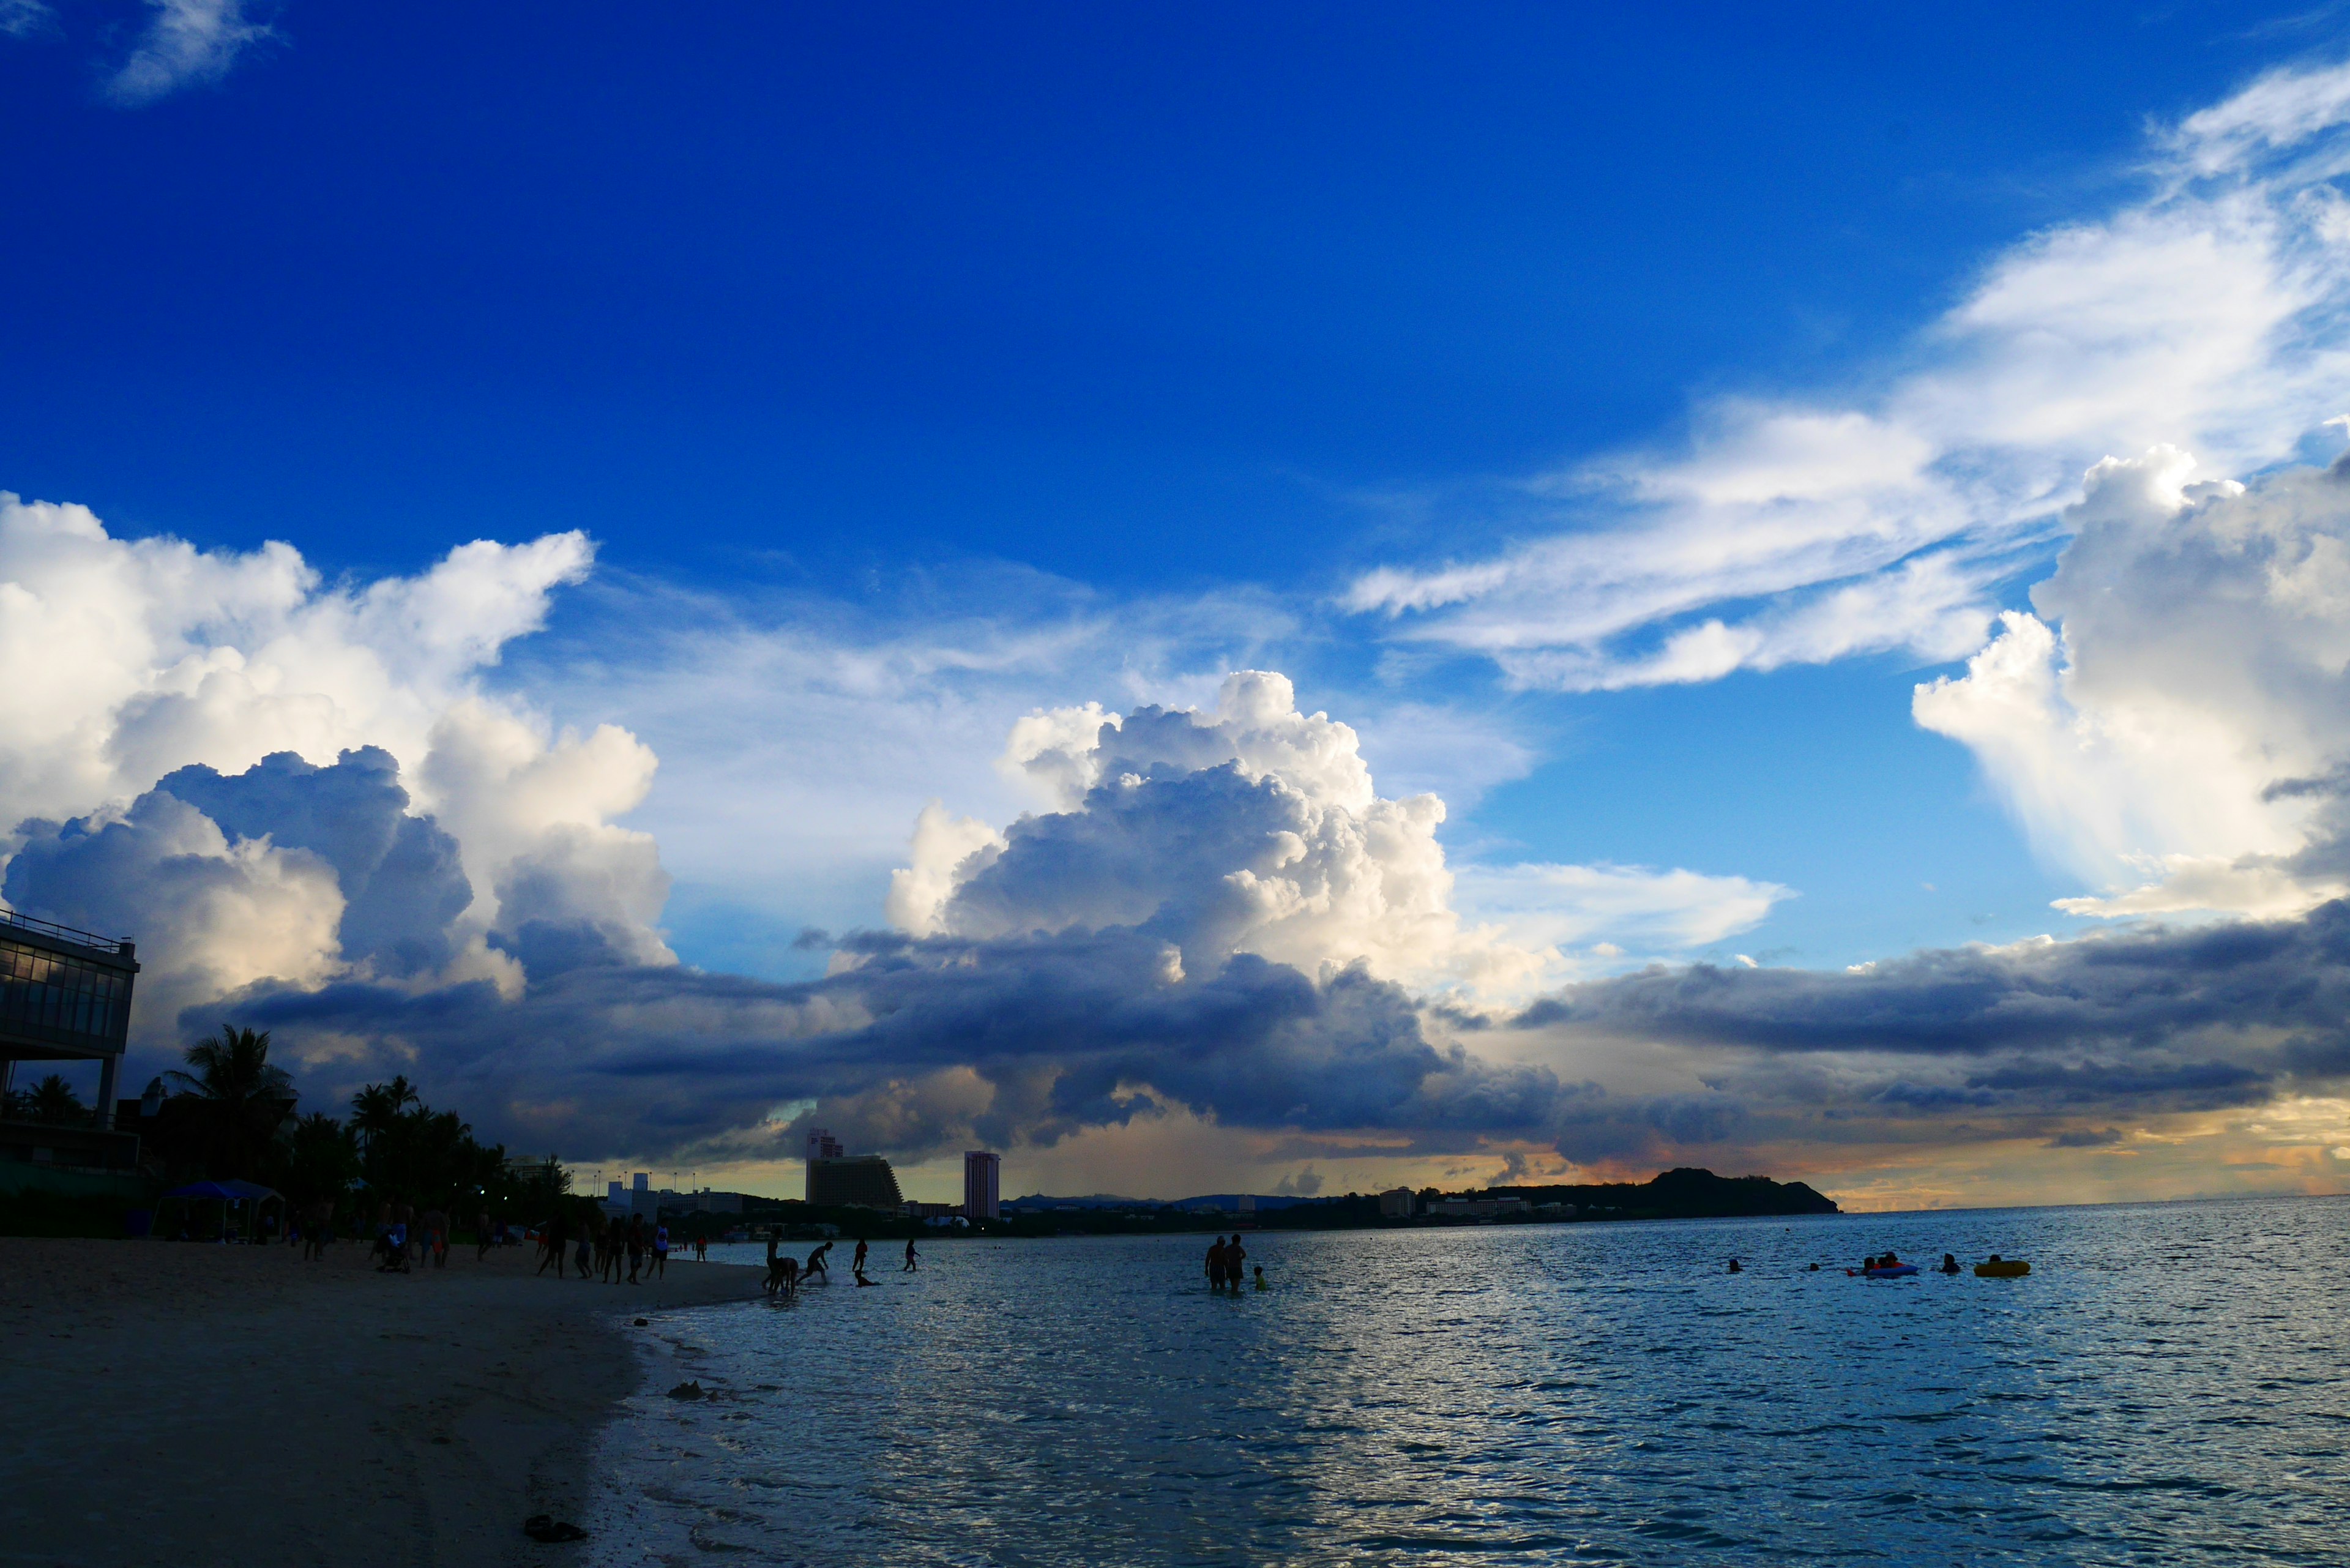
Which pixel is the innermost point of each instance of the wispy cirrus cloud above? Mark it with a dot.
(185, 43)
(2212, 313)
(26, 18)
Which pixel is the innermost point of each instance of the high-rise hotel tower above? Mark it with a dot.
(979, 1195)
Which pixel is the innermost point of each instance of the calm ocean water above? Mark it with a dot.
(2166, 1388)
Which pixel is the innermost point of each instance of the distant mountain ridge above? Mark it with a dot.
(1263, 1200)
(1685, 1192)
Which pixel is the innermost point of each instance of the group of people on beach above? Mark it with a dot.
(401, 1234)
(601, 1245)
(1225, 1259)
(785, 1273)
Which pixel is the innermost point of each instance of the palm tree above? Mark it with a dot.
(244, 1099)
(375, 1110)
(54, 1100)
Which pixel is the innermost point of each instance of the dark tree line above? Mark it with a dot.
(233, 1115)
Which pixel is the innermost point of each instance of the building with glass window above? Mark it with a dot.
(859, 1180)
(981, 1171)
(65, 996)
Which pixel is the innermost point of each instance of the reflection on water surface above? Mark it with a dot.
(2165, 1387)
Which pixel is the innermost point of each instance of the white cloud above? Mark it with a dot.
(1613, 910)
(26, 18)
(1251, 826)
(2213, 314)
(127, 662)
(187, 42)
(2170, 726)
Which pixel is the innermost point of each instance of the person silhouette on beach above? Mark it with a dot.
(815, 1264)
(582, 1256)
(856, 1265)
(552, 1241)
(1235, 1257)
(636, 1247)
(912, 1258)
(482, 1239)
(774, 1265)
(861, 1280)
(661, 1251)
(791, 1275)
(1216, 1264)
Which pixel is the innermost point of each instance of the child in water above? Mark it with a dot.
(1259, 1277)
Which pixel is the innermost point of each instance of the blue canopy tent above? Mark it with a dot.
(249, 1196)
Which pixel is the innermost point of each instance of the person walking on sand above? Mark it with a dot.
(483, 1238)
(911, 1257)
(582, 1256)
(636, 1247)
(550, 1243)
(661, 1251)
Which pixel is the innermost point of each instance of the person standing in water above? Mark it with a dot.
(1235, 1258)
(856, 1265)
(1216, 1264)
(911, 1256)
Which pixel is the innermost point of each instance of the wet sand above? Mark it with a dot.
(191, 1405)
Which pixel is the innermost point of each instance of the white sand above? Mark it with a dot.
(184, 1405)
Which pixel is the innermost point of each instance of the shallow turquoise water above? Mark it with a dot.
(2166, 1388)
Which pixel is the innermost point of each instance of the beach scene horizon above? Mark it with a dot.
(1048, 786)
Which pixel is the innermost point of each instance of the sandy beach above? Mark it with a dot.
(198, 1405)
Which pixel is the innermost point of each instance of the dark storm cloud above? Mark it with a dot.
(1061, 1030)
(2156, 989)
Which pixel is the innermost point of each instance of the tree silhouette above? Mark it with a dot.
(54, 1100)
(242, 1101)
(375, 1109)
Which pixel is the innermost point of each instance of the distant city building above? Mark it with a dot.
(981, 1170)
(644, 1182)
(859, 1180)
(616, 1195)
(1247, 1205)
(1395, 1203)
(913, 1209)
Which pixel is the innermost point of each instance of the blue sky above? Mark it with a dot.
(914, 368)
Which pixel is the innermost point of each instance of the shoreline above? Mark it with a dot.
(198, 1403)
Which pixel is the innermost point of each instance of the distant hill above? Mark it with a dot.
(1265, 1202)
(1685, 1193)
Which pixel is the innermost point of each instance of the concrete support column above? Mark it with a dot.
(108, 1068)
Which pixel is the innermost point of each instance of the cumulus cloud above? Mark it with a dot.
(2209, 313)
(1252, 828)
(1216, 916)
(266, 779)
(2171, 725)
(185, 43)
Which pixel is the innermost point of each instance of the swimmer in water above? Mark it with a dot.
(1734, 1267)
(1950, 1264)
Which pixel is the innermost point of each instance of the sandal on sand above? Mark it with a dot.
(547, 1527)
